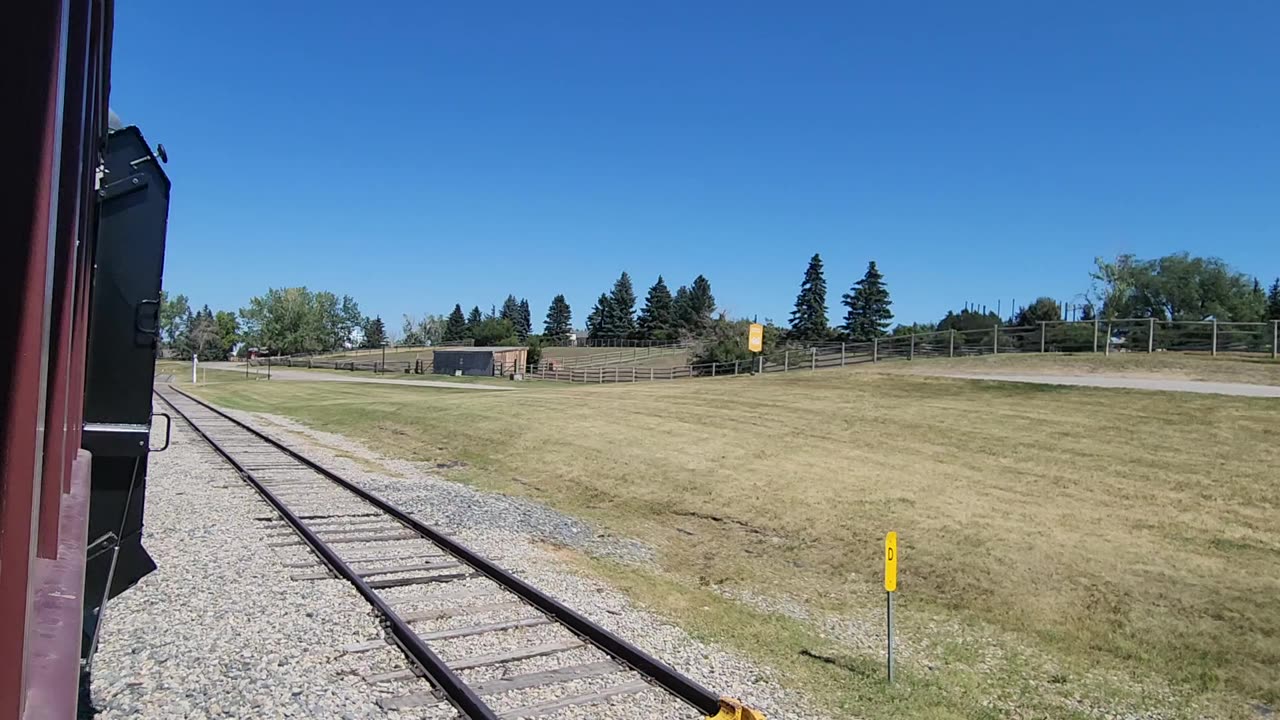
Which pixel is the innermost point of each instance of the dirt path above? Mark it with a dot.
(1103, 381)
(287, 374)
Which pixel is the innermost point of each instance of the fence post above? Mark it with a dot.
(735, 366)
(308, 362)
(1107, 348)
(875, 349)
(912, 356)
(813, 358)
(1215, 337)
(600, 374)
(713, 369)
(841, 354)
(1095, 334)
(650, 373)
(633, 373)
(1275, 335)
(1151, 335)
(1042, 337)
(786, 361)
(951, 350)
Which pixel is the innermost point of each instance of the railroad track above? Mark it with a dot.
(430, 591)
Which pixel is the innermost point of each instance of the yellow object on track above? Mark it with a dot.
(731, 709)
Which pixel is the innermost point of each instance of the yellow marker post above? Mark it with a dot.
(890, 587)
(755, 340)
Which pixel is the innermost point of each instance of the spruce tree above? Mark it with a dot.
(809, 319)
(559, 321)
(375, 332)
(620, 320)
(474, 318)
(694, 306)
(657, 321)
(524, 324)
(596, 321)
(456, 326)
(868, 303)
(511, 311)
(1273, 301)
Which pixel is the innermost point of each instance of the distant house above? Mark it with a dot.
(482, 361)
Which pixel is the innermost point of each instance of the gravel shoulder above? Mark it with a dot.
(220, 629)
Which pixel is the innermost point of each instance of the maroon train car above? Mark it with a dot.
(81, 252)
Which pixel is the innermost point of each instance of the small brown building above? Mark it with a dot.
(484, 361)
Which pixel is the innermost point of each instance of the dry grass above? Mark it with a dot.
(1059, 544)
(1257, 369)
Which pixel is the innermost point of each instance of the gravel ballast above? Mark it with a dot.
(221, 629)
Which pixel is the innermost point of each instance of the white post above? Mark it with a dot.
(1215, 336)
(875, 349)
(1275, 335)
(951, 351)
(1042, 337)
(912, 356)
(1151, 335)
(995, 339)
(841, 354)
(1095, 334)
(786, 361)
(195, 361)
(1107, 348)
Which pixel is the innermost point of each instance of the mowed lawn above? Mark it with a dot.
(1064, 550)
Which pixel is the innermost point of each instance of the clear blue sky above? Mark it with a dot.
(419, 154)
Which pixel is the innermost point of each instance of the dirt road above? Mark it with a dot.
(1163, 384)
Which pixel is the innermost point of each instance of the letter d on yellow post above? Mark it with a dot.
(890, 587)
(891, 562)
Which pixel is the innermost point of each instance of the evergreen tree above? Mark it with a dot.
(620, 320)
(559, 321)
(694, 306)
(1273, 301)
(375, 332)
(596, 321)
(474, 318)
(809, 319)
(456, 327)
(524, 328)
(510, 311)
(868, 303)
(657, 320)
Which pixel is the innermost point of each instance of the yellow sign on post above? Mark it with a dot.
(891, 562)
(755, 338)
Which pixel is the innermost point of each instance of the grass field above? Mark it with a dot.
(1066, 552)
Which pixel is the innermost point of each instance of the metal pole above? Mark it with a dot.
(195, 362)
(1215, 337)
(890, 634)
(813, 358)
(268, 367)
(1095, 334)
(1042, 337)
(1107, 348)
(841, 354)
(1275, 335)
(995, 339)
(951, 351)
(1151, 335)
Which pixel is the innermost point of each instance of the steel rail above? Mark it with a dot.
(655, 670)
(437, 672)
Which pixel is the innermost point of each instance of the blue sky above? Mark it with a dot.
(419, 154)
